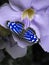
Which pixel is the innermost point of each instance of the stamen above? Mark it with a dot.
(29, 13)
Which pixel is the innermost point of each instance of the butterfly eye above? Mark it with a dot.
(16, 27)
(30, 36)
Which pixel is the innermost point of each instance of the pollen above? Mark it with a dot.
(28, 13)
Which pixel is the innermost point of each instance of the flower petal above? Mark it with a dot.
(40, 4)
(42, 21)
(21, 43)
(35, 28)
(26, 22)
(7, 13)
(20, 4)
(16, 51)
(45, 43)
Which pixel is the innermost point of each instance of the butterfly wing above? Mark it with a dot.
(16, 27)
(30, 36)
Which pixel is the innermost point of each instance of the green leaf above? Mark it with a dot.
(4, 32)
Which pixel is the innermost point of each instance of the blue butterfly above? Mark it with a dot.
(15, 27)
(30, 36)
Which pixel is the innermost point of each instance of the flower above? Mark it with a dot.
(34, 14)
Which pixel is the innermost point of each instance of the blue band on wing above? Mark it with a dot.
(15, 27)
(30, 36)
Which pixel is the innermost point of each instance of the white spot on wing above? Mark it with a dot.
(13, 23)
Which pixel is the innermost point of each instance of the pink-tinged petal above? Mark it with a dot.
(16, 51)
(45, 43)
(40, 4)
(7, 13)
(20, 4)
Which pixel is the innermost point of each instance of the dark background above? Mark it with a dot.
(38, 56)
(3, 1)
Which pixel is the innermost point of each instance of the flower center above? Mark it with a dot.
(29, 13)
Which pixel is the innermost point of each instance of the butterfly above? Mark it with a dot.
(30, 36)
(16, 27)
